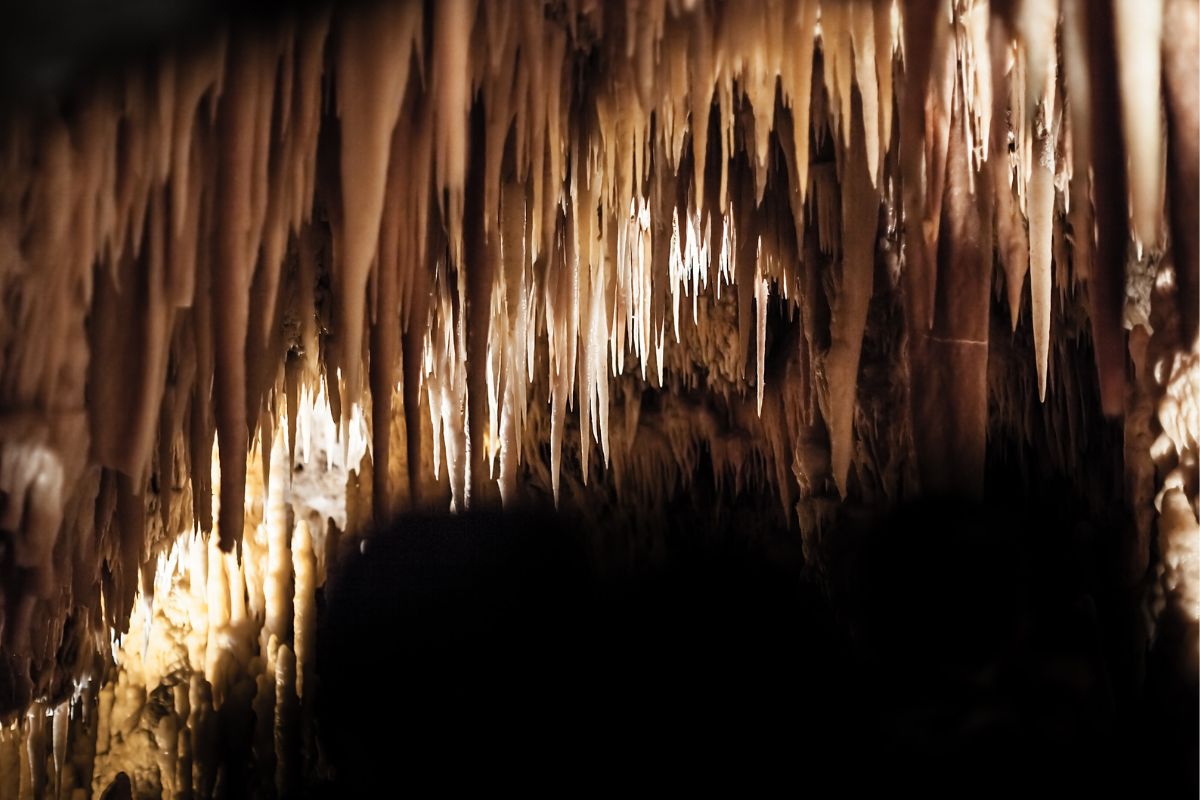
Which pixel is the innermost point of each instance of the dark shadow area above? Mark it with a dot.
(483, 649)
(480, 648)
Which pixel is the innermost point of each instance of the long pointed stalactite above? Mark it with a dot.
(262, 289)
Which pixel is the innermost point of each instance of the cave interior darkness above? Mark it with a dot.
(598, 393)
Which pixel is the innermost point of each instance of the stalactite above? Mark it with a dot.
(1041, 219)
(232, 270)
(1138, 28)
(373, 52)
(450, 85)
(502, 215)
(1106, 286)
(920, 33)
(1011, 234)
(860, 213)
(1180, 67)
(1036, 24)
(479, 256)
(953, 363)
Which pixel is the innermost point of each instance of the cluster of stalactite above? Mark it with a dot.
(211, 683)
(495, 227)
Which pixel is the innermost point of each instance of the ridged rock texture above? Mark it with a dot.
(459, 254)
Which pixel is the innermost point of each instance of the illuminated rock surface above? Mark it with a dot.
(263, 288)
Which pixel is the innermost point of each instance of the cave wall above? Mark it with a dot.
(620, 258)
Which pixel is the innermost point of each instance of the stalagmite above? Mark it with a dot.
(276, 587)
(566, 238)
(304, 568)
(10, 768)
(35, 753)
(761, 293)
(61, 720)
(264, 724)
(217, 605)
(285, 722)
(1180, 534)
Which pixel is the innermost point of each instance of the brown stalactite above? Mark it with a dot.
(372, 62)
(480, 253)
(564, 230)
(1012, 243)
(950, 363)
(860, 222)
(385, 325)
(920, 273)
(233, 267)
(1106, 289)
(414, 340)
(1181, 68)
